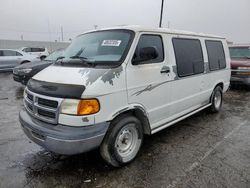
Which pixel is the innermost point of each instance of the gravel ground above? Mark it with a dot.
(205, 150)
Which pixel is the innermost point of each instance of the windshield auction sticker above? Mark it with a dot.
(111, 42)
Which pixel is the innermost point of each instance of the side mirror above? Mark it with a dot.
(146, 54)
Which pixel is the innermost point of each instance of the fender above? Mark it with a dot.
(140, 112)
(128, 108)
(219, 82)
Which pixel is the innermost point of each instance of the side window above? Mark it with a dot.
(189, 56)
(1, 53)
(34, 50)
(27, 49)
(37, 49)
(9, 53)
(18, 54)
(148, 44)
(216, 55)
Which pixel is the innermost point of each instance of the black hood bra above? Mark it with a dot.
(56, 89)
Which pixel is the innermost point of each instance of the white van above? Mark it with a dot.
(115, 85)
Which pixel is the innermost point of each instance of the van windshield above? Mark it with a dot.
(108, 47)
(240, 52)
(54, 55)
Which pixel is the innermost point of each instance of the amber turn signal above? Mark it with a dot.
(87, 107)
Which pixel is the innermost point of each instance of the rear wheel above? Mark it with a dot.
(42, 57)
(122, 141)
(216, 100)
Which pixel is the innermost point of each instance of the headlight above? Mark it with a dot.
(244, 68)
(80, 107)
(24, 94)
(26, 71)
(15, 71)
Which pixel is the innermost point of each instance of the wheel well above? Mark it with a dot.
(140, 114)
(43, 57)
(25, 62)
(221, 85)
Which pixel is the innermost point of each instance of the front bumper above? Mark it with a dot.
(63, 139)
(240, 76)
(240, 80)
(21, 78)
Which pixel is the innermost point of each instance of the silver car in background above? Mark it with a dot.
(10, 58)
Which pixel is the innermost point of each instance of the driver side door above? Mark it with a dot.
(147, 81)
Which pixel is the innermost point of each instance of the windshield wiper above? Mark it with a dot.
(78, 57)
(60, 57)
(84, 60)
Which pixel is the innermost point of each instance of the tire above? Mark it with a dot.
(216, 100)
(43, 57)
(123, 141)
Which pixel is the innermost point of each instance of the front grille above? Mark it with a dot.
(30, 97)
(30, 107)
(42, 107)
(233, 73)
(45, 113)
(49, 103)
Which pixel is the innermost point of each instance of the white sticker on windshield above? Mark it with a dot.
(111, 43)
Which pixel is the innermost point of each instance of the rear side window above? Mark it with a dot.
(148, 40)
(216, 55)
(37, 49)
(189, 56)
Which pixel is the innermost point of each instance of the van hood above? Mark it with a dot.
(91, 81)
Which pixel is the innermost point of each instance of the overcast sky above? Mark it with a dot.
(42, 19)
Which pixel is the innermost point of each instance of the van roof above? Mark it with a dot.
(138, 28)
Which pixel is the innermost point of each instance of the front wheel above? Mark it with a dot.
(122, 141)
(216, 100)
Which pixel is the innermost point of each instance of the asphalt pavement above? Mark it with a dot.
(205, 150)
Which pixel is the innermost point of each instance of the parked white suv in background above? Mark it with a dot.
(40, 52)
(10, 58)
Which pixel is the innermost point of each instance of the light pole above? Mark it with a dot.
(162, 6)
(62, 32)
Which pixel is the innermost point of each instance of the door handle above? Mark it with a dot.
(165, 69)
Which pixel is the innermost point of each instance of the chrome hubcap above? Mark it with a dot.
(217, 100)
(127, 142)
